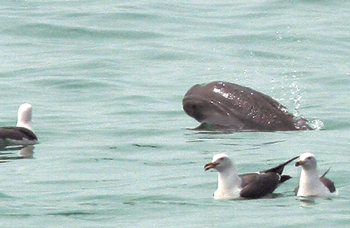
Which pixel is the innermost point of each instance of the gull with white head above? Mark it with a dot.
(232, 185)
(311, 183)
(22, 134)
(24, 116)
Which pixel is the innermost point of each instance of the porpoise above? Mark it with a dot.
(225, 105)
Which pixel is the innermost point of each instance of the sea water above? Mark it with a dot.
(106, 80)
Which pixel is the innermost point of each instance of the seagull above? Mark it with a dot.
(22, 134)
(311, 184)
(232, 185)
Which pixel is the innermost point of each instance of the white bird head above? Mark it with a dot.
(307, 161)
(24, 116)
(220, 162)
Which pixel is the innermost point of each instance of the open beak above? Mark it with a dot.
(299, 163)
(209, 165)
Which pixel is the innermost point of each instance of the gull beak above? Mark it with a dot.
(209, 165)
(299, 163)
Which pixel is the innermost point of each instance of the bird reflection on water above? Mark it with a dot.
(23, 152)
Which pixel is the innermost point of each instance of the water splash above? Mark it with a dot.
(295, 97)
(316, 124)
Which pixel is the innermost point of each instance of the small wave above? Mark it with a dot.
(44, 30)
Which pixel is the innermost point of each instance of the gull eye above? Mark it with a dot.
(308, 158)
(221, 159)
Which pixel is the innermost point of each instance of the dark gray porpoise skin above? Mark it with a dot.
(225, 105)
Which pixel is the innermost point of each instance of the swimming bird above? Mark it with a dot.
(232, 185)
(22, 134)
(311, 184)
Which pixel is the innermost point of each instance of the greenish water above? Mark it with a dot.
(106, 81)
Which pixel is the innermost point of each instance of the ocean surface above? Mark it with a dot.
(106, 80)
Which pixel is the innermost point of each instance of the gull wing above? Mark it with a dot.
(259, 185)
(327, 182)
(16, 133)
(279, 169)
